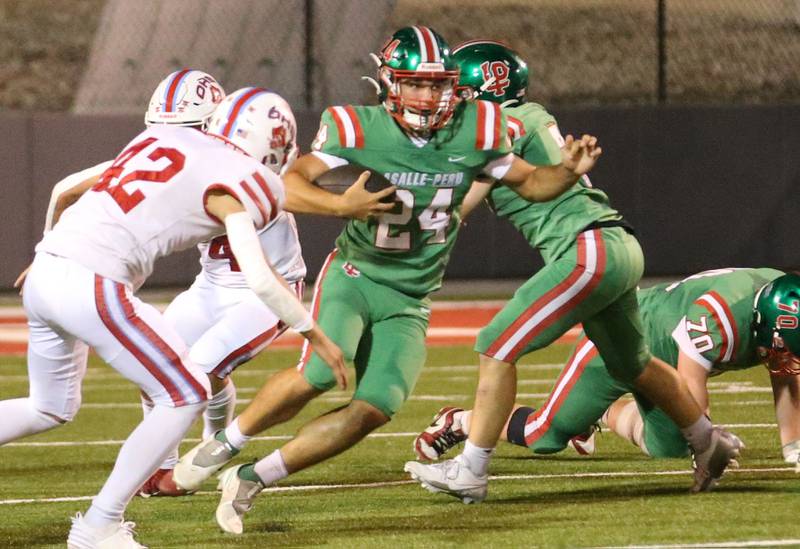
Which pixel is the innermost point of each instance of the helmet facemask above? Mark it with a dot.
(420, 116)
(420, 54)
(778, 359)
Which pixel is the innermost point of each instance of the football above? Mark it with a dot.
(339, 179)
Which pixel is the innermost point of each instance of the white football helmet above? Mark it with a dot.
(184, 98)
(259, 123)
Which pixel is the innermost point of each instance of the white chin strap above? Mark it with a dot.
(416, 121)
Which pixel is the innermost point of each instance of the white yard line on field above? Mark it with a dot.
(312, 487)
(751, 543)
(113, 442)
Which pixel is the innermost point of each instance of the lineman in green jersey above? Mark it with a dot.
(592, 266)
(708, 324)
(371, 295)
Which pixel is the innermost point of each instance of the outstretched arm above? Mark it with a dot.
(67, 191)
(266, 283)
(64, 194)
(540, 184)
(302, 196)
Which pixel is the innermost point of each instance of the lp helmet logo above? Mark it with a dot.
(499, 71)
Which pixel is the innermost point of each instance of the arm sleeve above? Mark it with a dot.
(499, 168)
(66, 184)
(246, 248)
(694, 349)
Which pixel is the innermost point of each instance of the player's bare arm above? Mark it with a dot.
(69, 196)
(540, 184)
(696, 378)
(267, 284)
(64, 195)
(304, 197)
(786, 393)
(477, 193)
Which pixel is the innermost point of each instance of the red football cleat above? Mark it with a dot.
(161, 484)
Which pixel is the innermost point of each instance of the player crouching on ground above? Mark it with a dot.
(708, 324)
(170, 189)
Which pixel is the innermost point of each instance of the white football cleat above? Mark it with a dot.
(584, 443)
(711, 464)
(237, 498)
(113, 536)
(451, 477)
(201, 462)
(442, 434)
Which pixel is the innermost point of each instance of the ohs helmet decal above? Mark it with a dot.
(184, 98)
(260, 123)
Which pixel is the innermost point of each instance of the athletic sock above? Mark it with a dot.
(220, 410)
(477, 458)
(145, 448)
(233, 435)
(270, 469)
(465, 418)
(698, 434)
(21, 419)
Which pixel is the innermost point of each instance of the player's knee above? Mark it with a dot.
(366, 415)
(45, 420)
(626, 372)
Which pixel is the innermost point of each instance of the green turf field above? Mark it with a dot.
(616, 498)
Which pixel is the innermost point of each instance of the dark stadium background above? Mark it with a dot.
(696, 104)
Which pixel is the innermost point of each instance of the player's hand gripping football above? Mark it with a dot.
(329, 352)
(580, 155)
(359, 203)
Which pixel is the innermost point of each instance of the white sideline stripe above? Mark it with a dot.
(751, 543)
(311, 487)
(112, 442)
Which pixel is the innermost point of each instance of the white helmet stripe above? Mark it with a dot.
(433, 43)
(423, 50)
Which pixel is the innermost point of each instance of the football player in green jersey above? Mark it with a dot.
(592, 266)
(372, 292)
(708, 324)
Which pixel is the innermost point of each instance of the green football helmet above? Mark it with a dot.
(492, 71)
(776, 324)
(417, 53)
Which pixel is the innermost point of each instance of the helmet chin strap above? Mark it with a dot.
(373, 82)
(379, 64)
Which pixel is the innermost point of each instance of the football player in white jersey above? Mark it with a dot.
(170, 188)
(224, 323)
